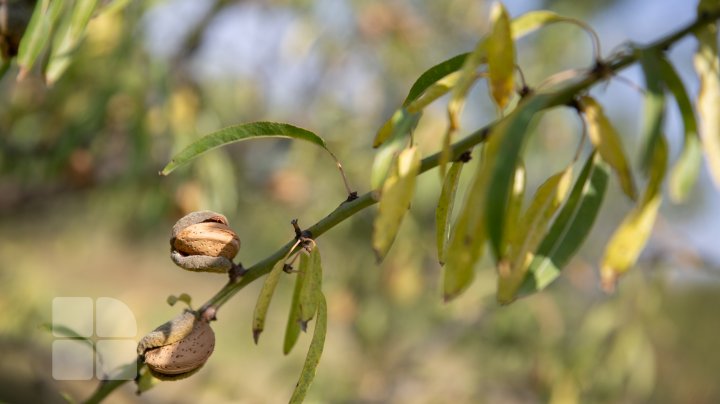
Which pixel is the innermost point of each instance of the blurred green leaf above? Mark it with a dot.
(433, 75)
(629, 239)
(435, 91)
(684, 173)
(264, 299)
(570, 228)
(37, 34)
(312, 285)
(445, 205)
(254, 130)
(707, 67)
(292, 330)
(397, 192)
(67, 39)
(607, 141)
(314, 352)
(512, 139)
(65, 331)
(532, 227)
(654, 110)
(501, 56)
(515, 204)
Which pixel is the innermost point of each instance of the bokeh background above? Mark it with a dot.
(84, 213)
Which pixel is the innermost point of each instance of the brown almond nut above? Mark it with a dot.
(185, 355)
(208, 238)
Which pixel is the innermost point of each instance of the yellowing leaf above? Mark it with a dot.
(37, 34)
(532, 228)
(707, 66)
(630, 238)
(501, 56)
(68, 38)
(444, 209)
(607, 141)
(397, 192)
(393, 138)
(435, 91)
(514, 207)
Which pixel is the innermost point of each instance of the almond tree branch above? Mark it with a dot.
(562, 94)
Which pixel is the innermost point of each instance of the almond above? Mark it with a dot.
(207, 238)
(185, 355)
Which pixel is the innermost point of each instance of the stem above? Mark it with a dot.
(560, 96)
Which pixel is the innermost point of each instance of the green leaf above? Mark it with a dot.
(435, 91)
(292, 330)
(707, 66)
(68, 38)
(512, 138)
(37, 33)
(67, 332)
(444, 209)
(433, 75)
(654, 115)
(312, 284)
(684, 173)
(515, 204)
(397, 192)
(628, 241)
(501, 56)
(254, 130)
(533, 227)
(570, 228)
(264, 299)
(314, 352)
(607, 141)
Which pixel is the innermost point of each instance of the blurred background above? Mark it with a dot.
(83, 211)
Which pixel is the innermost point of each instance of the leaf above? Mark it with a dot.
(468, 236)
(435, 91)
(654, 114)
(314, 352)
(433, 75)
(501, 56)
(254, 130)
(264, 298)
(67, 332)
(444, 209)
(397, 192)
(607, 141)
(292, 330)
(684, 173)
(68, 37)
(512, 139)
(311, 286)
(533, 227)
(570, 228)
(628, 241)
(707, 66)
(146, 380)
(515, 204)
(399, 126)
(37, 33)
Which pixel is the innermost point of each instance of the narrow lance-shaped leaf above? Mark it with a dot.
(254, 130)
(607, 141)
(433, 75)
(468, 235)
(398, 127)
(684, 173)
(533, 227)
(37, 33)
(570, 228)
(437, 90)
(444, 209)
(654, 114)
(68, 37)
(314, 352)
(503, 168)
(707, 66)
(292, 330)
(311, 286)
(514, 210)
(630, 238)
(397, 192)
(264, 299)
(501, 56)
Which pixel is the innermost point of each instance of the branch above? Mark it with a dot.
(562, 95)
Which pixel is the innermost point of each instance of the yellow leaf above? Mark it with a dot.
(607, 141)
(501, 56)
(708, 103)
(531, 229)
(444, 209)
(630, 238)
(397, 192)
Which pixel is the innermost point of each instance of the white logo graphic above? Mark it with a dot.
(78, 353)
